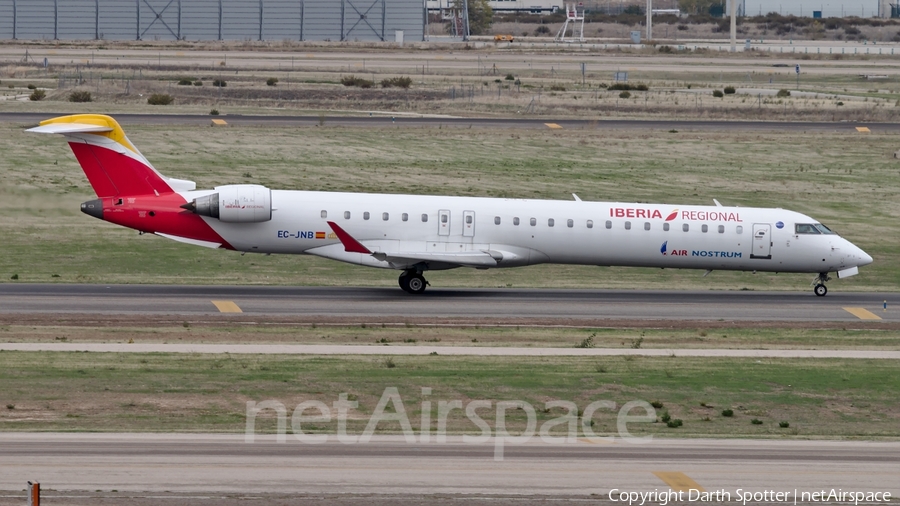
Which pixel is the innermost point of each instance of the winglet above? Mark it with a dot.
(351, 245)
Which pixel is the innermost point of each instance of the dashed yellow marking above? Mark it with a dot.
(552, 125)
(862, 314)
(219, 122)
(863, 129)
(226, 306)
(678, 481)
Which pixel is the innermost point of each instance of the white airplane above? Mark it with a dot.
(415, 233)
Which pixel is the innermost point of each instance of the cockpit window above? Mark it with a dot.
(806, 228)
(823, 229)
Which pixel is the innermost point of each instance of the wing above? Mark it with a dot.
(483, 258)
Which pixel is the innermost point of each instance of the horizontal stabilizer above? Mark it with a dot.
(69, 128)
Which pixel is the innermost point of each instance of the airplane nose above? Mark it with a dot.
(865, 259)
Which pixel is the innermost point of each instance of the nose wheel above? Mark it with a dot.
(412, 282)
(819, 284)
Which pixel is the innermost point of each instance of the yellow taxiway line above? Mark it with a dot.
(552, 125)
(862, 314)
(678, 481)
(226, 306)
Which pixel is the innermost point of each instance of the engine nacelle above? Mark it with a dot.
(236, 203)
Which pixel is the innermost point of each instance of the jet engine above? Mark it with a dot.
(236, 203)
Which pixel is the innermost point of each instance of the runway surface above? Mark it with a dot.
(383, 120)
(481, 351)
(391, 304)
(226, 464)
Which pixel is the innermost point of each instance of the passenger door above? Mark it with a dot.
(468, 223)
(762, 241)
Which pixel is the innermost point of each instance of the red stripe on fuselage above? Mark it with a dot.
(163, 214)
(114, 174)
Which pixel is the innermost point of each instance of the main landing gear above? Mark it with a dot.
(412, 281)
(819, 284)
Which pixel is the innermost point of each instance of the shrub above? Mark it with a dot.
(557, 87)
(10, 406)
(14, 277)
(272, 81)
(587, 342)
(400, 82)
(656, 404)
(718, 93)
(782, 93)
(784, 425)
(728, 413)
(198, 83)
(619, 87)
(839, 103)
(80, 96)
(665, 49)
(185, 82)
(641, 87)
(625, 94)
(666, 418)
(160, 99)
(542, 30)
(213, 112)
(220, 83)
(32, 87)
(729, 90)
(674, 423)
(389, 363)
(357, 81)
(756, 421)
(37, 95)
(510, 77)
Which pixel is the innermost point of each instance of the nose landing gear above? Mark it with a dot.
(819, 284)
(412, 281)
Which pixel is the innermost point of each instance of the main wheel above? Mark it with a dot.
(404, 282)
(416, 283)
(820, 290)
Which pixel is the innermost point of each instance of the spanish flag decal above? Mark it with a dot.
(320, 235)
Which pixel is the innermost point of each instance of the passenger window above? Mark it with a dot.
(496, 220)
(385, 216)
(468, 220)
(516, 221)
(721, 229)
(739, 230)
(646, 225)
(550, 222)
(324, 213)
(685, 227)
(627, 225)
(704, 229)
(404, 217)
(444, 218)
(590, 224)
(570, 223)
(424, 218)
(665, 227)
(608, 224)
(346, 215)
(533, 221)
(366, 215)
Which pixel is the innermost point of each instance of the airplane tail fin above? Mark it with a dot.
(112, 164)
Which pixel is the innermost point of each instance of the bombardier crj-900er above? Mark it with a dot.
(415, 233)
